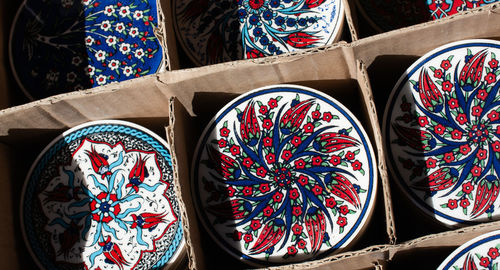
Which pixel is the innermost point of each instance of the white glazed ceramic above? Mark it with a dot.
(100, 196)
(283, 174)
(442, 135)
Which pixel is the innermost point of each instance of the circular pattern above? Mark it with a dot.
(442, 132)
(101, 196)
(284, 174)
(481, 252)
(219, 31)
(60, 46)
(390, 15)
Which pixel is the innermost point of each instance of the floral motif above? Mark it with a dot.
(101, 198)
(217, 31)
(479, 253)
(84, 44)
(443, 133)
(440, 9)
(294, 187)
(109, 204)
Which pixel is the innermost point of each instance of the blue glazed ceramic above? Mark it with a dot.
(219, 31)
(59, 46)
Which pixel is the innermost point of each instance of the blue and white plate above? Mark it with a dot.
(442, 133)
(59, 46)
(219, 31)
(101, 196)
(284, 174)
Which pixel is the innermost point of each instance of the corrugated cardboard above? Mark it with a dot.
(359, 74)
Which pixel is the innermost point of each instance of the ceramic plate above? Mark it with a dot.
(478, 253)
(389, 15)
(60, 46)
(283, 174)
(218, 31)
(442, 132)
(100, 196)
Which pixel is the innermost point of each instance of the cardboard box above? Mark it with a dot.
(360, 74)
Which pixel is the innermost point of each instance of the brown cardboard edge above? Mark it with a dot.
(257, 73)
(350, 21)
(414, 39)
(161, 34)
(367, 258)
(181, 179)
(113, 101)
(170, 36)
(382, 169)
(447, 239)
(169, 131)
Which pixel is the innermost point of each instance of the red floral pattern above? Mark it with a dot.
(451, 133)
(302, 179)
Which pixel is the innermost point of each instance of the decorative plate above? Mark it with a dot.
(283, 174)
(442, 132)
(100, 196)
(218, 31)
(386, 15)
(59, 46)
(478, 253)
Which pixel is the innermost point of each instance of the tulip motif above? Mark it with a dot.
(231, 210)
(486, 195)
(315, 225)
(269, 236)
(441, 179)
(137, 174)
(292, 119)
(329, 142)
(226, 166)
(249, 127)
(415, 138)
(113, 253)
(147, 220)
(341, 187)
(301, 40)
(471, 73)
(430, 95)
(99, 163)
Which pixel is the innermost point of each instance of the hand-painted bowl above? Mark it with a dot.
(478, 253)
(284, 174)
(390, 15)
(101, 196)
(442, 134)
(69, 45)
(219, 31)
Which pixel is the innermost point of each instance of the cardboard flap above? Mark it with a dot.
(330, 63)
(419, 39)
(378, 147)
(138, 98)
